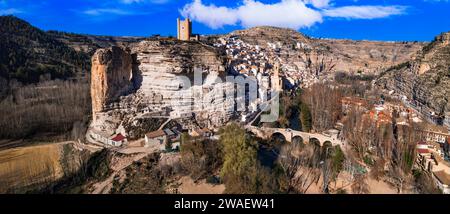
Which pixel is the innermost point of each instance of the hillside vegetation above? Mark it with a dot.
(43, 86)
(27, 52)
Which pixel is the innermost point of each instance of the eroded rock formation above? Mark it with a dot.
(425, 80)
(305, 53)
(111, 76)
(149, 81)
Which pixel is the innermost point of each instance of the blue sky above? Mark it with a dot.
(388, 20)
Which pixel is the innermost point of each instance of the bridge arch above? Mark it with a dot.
(278, 137)
(327, 147)
(327, 144)
(298, 139)
(314, 141)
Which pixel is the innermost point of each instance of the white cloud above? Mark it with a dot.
(210, 15)
(318, 3)
(103, 11)
(10, 11)
(109, 10)
(295, 14)
(364, 12)
(287, 13)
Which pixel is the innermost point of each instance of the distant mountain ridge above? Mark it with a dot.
(90, 43)
(27, 52)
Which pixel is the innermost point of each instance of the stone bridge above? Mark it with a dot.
(294, 136)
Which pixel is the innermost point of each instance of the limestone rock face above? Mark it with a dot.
(111, 76)
(169, 56)
(263, 34)
(309, 54)
(165, 66)
(425, 80)
(155, 80)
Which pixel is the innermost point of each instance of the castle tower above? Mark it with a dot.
(276, 69)
(184, 29)
(277, 83)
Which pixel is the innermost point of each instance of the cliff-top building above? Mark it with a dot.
(184, 30)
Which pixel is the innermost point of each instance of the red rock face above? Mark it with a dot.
(111, 76)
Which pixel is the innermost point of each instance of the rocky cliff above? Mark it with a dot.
(147, 82)
(305, 53)
(262, 35)
(111, 75)
(368, 56)
(164, 64)
(425, 80)
(171, 56)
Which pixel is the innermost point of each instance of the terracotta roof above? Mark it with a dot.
(443, 177)
(119, 137)
(155, 134)
(384, 117)
(423, 151)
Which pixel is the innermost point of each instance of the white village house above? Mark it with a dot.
(157, 137)
(160, 137)
(116, 141)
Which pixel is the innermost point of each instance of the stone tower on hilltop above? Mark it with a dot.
(184, 29)
(277, 83)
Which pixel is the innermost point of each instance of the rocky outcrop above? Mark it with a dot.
(165, 64)
(154, 72)
(304, 53)
(368, 56)
(262, 35)
(171, 56)
(111, 76)
(425, 80)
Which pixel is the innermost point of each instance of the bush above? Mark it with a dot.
(348, 79)
(213, 180)
(306, 118)
(200, 157)
(242, 173)
(368, 160)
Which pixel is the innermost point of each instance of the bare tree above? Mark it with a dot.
(325, 105)
(357, 132)
(301, 165)
(56, 107)
(360, 185)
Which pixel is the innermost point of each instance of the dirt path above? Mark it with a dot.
(188, 186)
(118, 164)
(343, 182)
